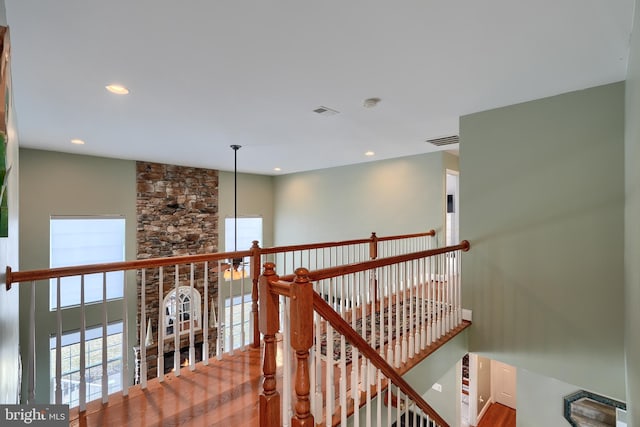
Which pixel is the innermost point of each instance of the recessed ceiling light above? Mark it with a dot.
(117, 89)
(325, 111)
(371, 102)
(369, 153)
(277, 169)
(77, 141)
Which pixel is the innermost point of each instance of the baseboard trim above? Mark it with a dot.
(484, 409)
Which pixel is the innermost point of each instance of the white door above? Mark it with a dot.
(504, 383)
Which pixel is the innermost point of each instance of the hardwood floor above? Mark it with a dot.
(225, 393)
(498, 415)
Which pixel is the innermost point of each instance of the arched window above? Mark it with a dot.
(177, 311)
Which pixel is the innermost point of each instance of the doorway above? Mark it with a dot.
(485, 382)
(503, 383)
(452, 235)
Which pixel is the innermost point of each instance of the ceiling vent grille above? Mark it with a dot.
(445, 140)
(325, 111)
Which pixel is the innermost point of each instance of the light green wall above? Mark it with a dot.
(403, 195)
(445, 402)
(540, 400)
(542, 204)
(65, 184)
(255, 198)
(632, 225)
(9, 300)
(483, 383)
(438, 367)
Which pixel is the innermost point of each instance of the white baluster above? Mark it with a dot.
(205, 317)
(367, 381)
(343, 357)
(430, 302)
(398, 349)
(379, 400)
(221, 313)
(82, 406)
(316, 391)
(355, 380)
(286, 368)
(177, 324)
(362, 288)
(161, 324)
(229, 328)
(381, 297)
(412, 329)
(390, 287)
(31, 392)
(59, 346)
(192, 348)
(343, 380)
(329, 385)
(243, 336)
(143, 333)
(404, 333)
(439, 295)
(423, 303)
(126, 379)
(398, 405)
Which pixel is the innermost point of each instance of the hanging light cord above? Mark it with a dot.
(235, 197)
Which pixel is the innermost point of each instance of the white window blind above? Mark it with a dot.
(81, 241)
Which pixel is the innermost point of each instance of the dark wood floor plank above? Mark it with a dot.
(498, 415)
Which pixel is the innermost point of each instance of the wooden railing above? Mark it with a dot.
(186, 274)
(418, 293)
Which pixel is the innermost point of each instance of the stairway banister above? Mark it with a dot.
(48, 273)
(269, 323)
(277, 249)
(301, 315)
(342, 270)
(254, 252)
(431, 233)
(255, 276)
(341, 326)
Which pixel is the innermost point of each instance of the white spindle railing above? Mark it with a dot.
(361, 293)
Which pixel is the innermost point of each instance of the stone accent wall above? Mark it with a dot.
(177, 214)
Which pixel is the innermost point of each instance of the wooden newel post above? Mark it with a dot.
(373, 246)
(301, 342)
(255, 273)
(269, 320)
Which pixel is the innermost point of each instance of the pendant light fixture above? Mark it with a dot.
(236, 269)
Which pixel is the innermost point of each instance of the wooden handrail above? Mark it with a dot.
(255, 252)
(48, 273)
(407, 236)
(302, 247)
(341, 326)
(342, 270)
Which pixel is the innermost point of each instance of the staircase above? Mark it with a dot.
(589, 413)
(585, 409)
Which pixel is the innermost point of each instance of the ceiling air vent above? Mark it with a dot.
(445, 140)
(325, 111)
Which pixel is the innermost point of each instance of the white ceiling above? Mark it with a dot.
(209, 73)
